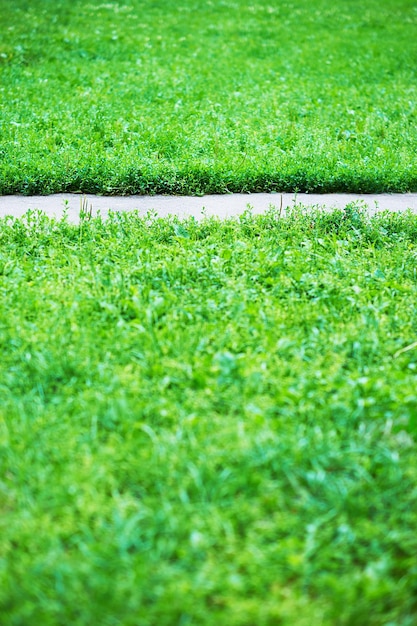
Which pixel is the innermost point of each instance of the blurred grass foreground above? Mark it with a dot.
(209, 422)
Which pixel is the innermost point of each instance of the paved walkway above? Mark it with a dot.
(184, 206)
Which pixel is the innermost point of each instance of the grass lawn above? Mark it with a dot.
(209, 423)
(193, 96)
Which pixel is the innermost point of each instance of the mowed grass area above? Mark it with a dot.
(209, 422)
(146, 96)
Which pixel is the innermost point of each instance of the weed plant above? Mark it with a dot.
(208, 422)
(145, 96)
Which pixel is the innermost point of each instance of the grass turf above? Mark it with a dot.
(208, 422)
(190, 97)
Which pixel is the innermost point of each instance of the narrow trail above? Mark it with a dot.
(222, 206)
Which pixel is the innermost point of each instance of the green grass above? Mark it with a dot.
(209, 423)
(194, 96)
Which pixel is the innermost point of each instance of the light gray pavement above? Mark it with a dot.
(183, 206)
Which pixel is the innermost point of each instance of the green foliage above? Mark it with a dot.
(195, 96)
(208, 422)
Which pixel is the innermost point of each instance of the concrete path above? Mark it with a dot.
(184, 206)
